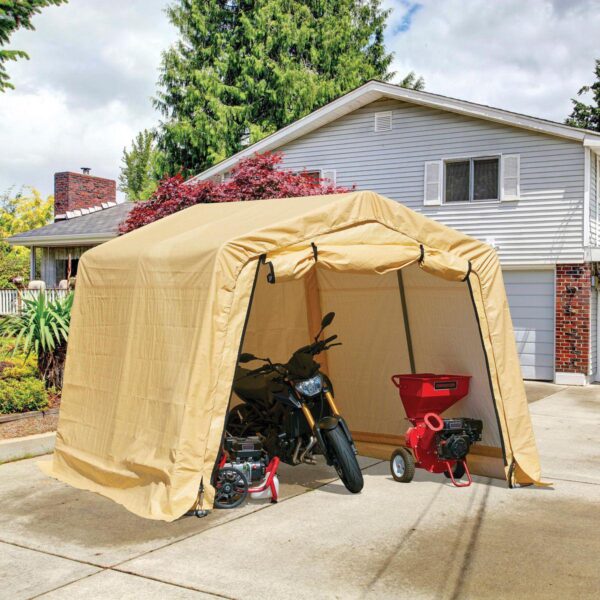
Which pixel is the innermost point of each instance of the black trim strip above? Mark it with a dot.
(409, 344)
(489, 373)
(468, 271)
(315, 251)
(422, 257)
(261, 261)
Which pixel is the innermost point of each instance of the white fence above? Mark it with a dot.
(10, 302)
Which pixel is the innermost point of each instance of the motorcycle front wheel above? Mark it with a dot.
(344, 460)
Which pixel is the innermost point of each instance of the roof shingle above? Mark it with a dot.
(103, 222)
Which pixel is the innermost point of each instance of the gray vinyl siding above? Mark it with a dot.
(544, 226)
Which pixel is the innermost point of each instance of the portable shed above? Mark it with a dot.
(161, 315)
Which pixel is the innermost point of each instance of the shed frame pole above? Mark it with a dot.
(409, 344)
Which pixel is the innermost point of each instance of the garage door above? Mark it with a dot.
(531, 299)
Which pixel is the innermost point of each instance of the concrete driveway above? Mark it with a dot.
(419, 540)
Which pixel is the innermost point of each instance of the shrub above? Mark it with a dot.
(21, 395)
(256, 178)
(18, 369)
(42, 329)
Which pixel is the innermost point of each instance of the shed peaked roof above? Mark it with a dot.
(375, 90)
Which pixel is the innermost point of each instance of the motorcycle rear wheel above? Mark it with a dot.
(344, 460)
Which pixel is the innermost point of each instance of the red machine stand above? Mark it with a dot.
(437, 446)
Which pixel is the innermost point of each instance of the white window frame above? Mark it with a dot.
(320, 171)
(471, 160)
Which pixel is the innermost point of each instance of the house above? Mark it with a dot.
(86, 214)
(529, 187)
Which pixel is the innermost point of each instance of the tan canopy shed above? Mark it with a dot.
(161, 314)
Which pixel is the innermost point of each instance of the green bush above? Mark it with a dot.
(42, 329)
(21, 395)
(19, 369)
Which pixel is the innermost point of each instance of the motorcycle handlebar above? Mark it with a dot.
(315, 348)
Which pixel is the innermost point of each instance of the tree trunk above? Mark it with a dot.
(52, 366)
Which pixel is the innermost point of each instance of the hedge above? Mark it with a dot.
(20, 388)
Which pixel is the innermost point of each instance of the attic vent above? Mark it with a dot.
(383, 121)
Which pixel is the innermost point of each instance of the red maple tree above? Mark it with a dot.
(256, 178)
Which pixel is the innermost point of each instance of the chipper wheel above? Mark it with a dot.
(402, 465)
(231, 488)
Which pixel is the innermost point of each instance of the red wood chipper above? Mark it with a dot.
(438, 445)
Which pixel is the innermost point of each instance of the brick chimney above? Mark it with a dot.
(77, 191)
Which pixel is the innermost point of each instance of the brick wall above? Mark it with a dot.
(573, 296)
(76, 190)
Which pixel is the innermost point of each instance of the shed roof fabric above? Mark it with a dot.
(158, 322)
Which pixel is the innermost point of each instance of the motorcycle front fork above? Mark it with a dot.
(334, 410)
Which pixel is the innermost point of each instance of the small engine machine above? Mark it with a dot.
(245, 470)
(438, 445)
(456, 436)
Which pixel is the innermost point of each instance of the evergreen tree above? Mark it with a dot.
(16, 14)
(587, 115)
(245, 68)
(140, 169)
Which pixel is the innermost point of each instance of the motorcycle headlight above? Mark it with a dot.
(310, 387)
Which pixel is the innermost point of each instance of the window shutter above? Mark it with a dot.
(511, 177)
(329, 175)
(383, 121)
(433, 183)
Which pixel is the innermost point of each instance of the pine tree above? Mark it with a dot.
(140, 167)
(245, 68)
(587, 115)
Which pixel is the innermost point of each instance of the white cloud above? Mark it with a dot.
(529, 57)
(94, 65)
(84, 93)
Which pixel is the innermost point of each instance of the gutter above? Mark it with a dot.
(60, 240)
(593, 143)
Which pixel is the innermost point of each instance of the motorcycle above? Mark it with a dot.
(291, 408)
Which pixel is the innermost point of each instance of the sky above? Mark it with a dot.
(86, 90)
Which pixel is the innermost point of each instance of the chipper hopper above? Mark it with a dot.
(438, 445)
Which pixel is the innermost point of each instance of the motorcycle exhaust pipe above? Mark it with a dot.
(303, 458)
(295, 460)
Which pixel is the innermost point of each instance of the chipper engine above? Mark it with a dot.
(438, 445)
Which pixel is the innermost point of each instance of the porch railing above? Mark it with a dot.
(10, 303)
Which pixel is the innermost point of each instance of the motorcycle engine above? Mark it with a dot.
(455, 439)
(247, 456)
